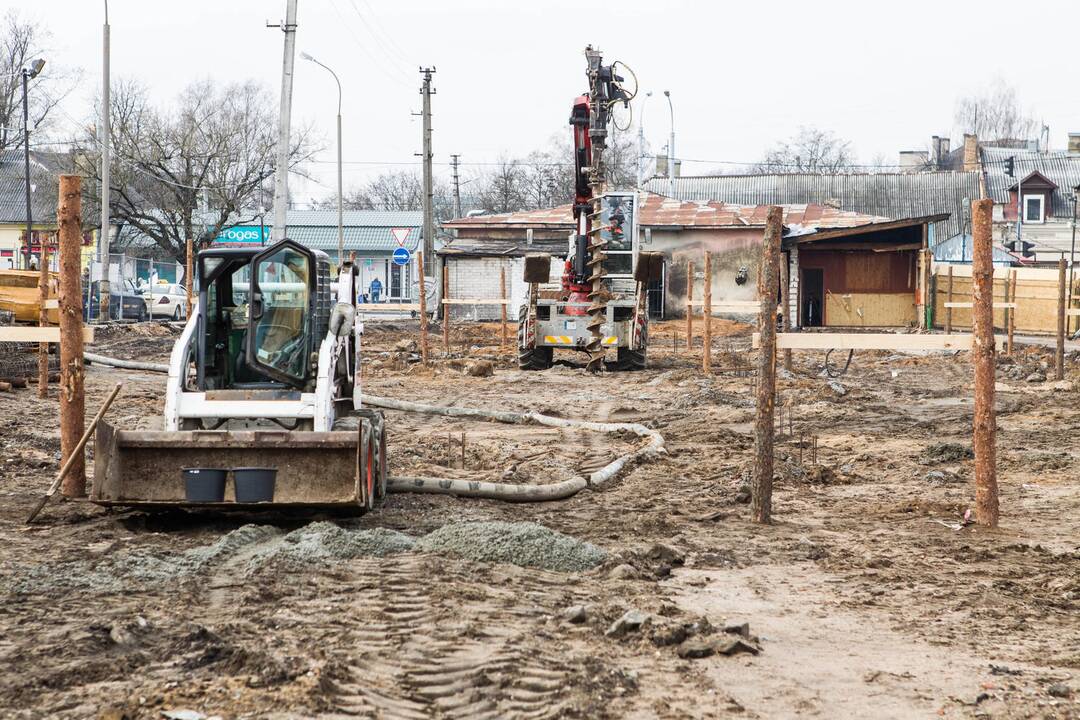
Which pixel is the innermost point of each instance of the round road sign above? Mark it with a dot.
(402, 256)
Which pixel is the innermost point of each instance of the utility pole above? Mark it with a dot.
(671, 148)
(281, 170)
(455, 160)
(105, 137)
(641, 143)
(429, 211)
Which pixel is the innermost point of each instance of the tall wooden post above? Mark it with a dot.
(1059, 355)
(502, 307)
(423, 310)
(689, 306)
(983, 350)
(706, 310)
(785, 302)
(446, 308)
(43, 320)
(72, 400)
(761, 489)
(1011, 297)
(189, 274)
(948, 299)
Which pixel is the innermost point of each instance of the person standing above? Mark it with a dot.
(375, 289)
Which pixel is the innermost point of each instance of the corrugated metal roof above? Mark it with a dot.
(13, 203)
(658, 211)
(892, 195)
(959, 248)
(366, 218)
(360, 239)
(502, 248)
(1056, 165)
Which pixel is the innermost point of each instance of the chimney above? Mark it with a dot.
(935, 151)
(946, 147)
(1074, 143)
(971, 152)
(913, 160)
(661, 165)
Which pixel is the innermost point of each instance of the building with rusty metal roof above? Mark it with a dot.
(891, 195)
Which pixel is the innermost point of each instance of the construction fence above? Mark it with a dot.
(1035, 294)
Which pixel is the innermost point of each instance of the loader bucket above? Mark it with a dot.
(314, 469)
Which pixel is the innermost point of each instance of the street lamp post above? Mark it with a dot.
(671, 147)
(340, 211)
(28, 74)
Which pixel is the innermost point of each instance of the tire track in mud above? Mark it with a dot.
(422, 646)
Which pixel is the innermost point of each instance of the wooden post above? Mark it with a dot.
(423, 309)
(446, 308)
(72, 400)
(785, 301)
(983, 350)
(920, 307)
(689, 306)
(706, 310)
(948, 310)
(189, 274)
(761, 489)
(1011, 293)
(502, 308)
(1059, 355)
(43, 320)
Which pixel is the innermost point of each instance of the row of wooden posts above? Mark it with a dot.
(983, 348)
(447, 303)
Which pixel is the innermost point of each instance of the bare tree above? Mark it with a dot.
(995, 113)
(191, 170)
(811, 150)
(20, 43)
(502, 187)
(400, 190)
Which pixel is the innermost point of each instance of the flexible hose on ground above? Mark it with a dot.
(488, 490)
(655, 445)
(126, 364)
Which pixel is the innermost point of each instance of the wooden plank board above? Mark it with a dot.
(1072, 311)
(475, 301)
(747, 304)
(868, 341)
(368, 307)
(997, 305)
(24, 333)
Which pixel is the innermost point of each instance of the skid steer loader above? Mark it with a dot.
(266, 373)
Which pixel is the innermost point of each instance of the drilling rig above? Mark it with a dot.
(602, 303)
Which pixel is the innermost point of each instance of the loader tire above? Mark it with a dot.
(535, 358)
(382, 461)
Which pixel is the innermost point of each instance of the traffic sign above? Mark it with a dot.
(402, 256)
(401, 235)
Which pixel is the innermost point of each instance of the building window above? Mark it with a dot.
(1034, 208)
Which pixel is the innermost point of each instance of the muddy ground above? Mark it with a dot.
(867, 597)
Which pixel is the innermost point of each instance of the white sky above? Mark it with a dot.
(742, 75)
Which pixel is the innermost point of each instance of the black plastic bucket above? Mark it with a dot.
(204, 484)
(254, 484)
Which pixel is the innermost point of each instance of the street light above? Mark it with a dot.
(28, 74)
(340, 212)
(671, 148)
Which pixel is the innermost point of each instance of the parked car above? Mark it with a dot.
(124, 303)
(166, 300)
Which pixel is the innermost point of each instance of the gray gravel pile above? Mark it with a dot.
(527, 544)
(322, 542)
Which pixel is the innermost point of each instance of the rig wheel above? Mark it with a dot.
(538, 358)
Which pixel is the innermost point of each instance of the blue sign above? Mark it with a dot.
(242, 235)
(402, 256)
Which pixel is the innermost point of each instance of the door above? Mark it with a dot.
(812, 294)
(280, 326)
(656, 294)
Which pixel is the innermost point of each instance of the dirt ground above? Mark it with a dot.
(867, 597)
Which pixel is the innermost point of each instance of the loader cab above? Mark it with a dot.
(262, 314)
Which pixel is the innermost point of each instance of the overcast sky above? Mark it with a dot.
(742, 75)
